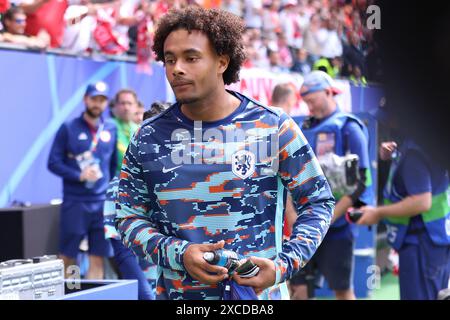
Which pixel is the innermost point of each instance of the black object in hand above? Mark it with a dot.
(247, 269)
(354, 215)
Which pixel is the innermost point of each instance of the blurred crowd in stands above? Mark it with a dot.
(281, 36)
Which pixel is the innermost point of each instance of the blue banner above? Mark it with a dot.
(40, 92)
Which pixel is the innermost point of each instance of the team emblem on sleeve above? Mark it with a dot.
(243, 163)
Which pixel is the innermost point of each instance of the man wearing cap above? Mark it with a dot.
(84, 155)
(328, 129)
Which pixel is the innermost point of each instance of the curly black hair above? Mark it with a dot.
(222, 28)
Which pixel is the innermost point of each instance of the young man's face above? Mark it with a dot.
(193, 68)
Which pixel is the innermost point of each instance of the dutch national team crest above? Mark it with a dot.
(243, 163)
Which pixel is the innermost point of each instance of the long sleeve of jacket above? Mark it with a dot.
(133, 218)
(301, 174)
(58, 155)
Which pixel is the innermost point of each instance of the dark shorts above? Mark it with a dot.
(78, 220)
(333, 260)
(424, 269)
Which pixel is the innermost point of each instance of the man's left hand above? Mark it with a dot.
(371, 215)
(265, 277)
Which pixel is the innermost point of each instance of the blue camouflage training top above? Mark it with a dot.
(184, 182)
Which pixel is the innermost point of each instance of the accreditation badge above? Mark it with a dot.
(326, 142)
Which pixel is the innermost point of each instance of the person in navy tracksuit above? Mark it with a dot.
(84, 155)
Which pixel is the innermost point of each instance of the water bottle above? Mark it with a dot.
(224, 258)
(230, 260)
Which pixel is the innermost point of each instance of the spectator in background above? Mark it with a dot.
(250, 56)
(332, 44)
(357, 25)
(123, 111)
(45, 15)
(111, 29)
(271, 18)
(311, 41)
(126, 16)
(356, 76)
(337, 64)
(301, 62)
(233, 6)
(275, 64)
(347, 11)
(284, 96)
(331, 66)
(14, 23)
(353, 55)
(138, 115)
(80, 23)
(140, 35)
(105, 27)
(161, 7)
(303, 15)
(284, 51)
(259, 47)
(320, 27)
(84, 155)
(253, 12)
(324, 64)
(290, 24)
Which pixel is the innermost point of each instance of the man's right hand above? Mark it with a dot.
(386, 150)
(201, 270)
(88, 174)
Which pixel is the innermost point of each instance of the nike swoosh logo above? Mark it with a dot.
(164, 170)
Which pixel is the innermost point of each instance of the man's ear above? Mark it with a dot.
(224, 60)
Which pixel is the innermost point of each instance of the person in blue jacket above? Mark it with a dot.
(417, 213)
(83, 154)
(329, 130)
